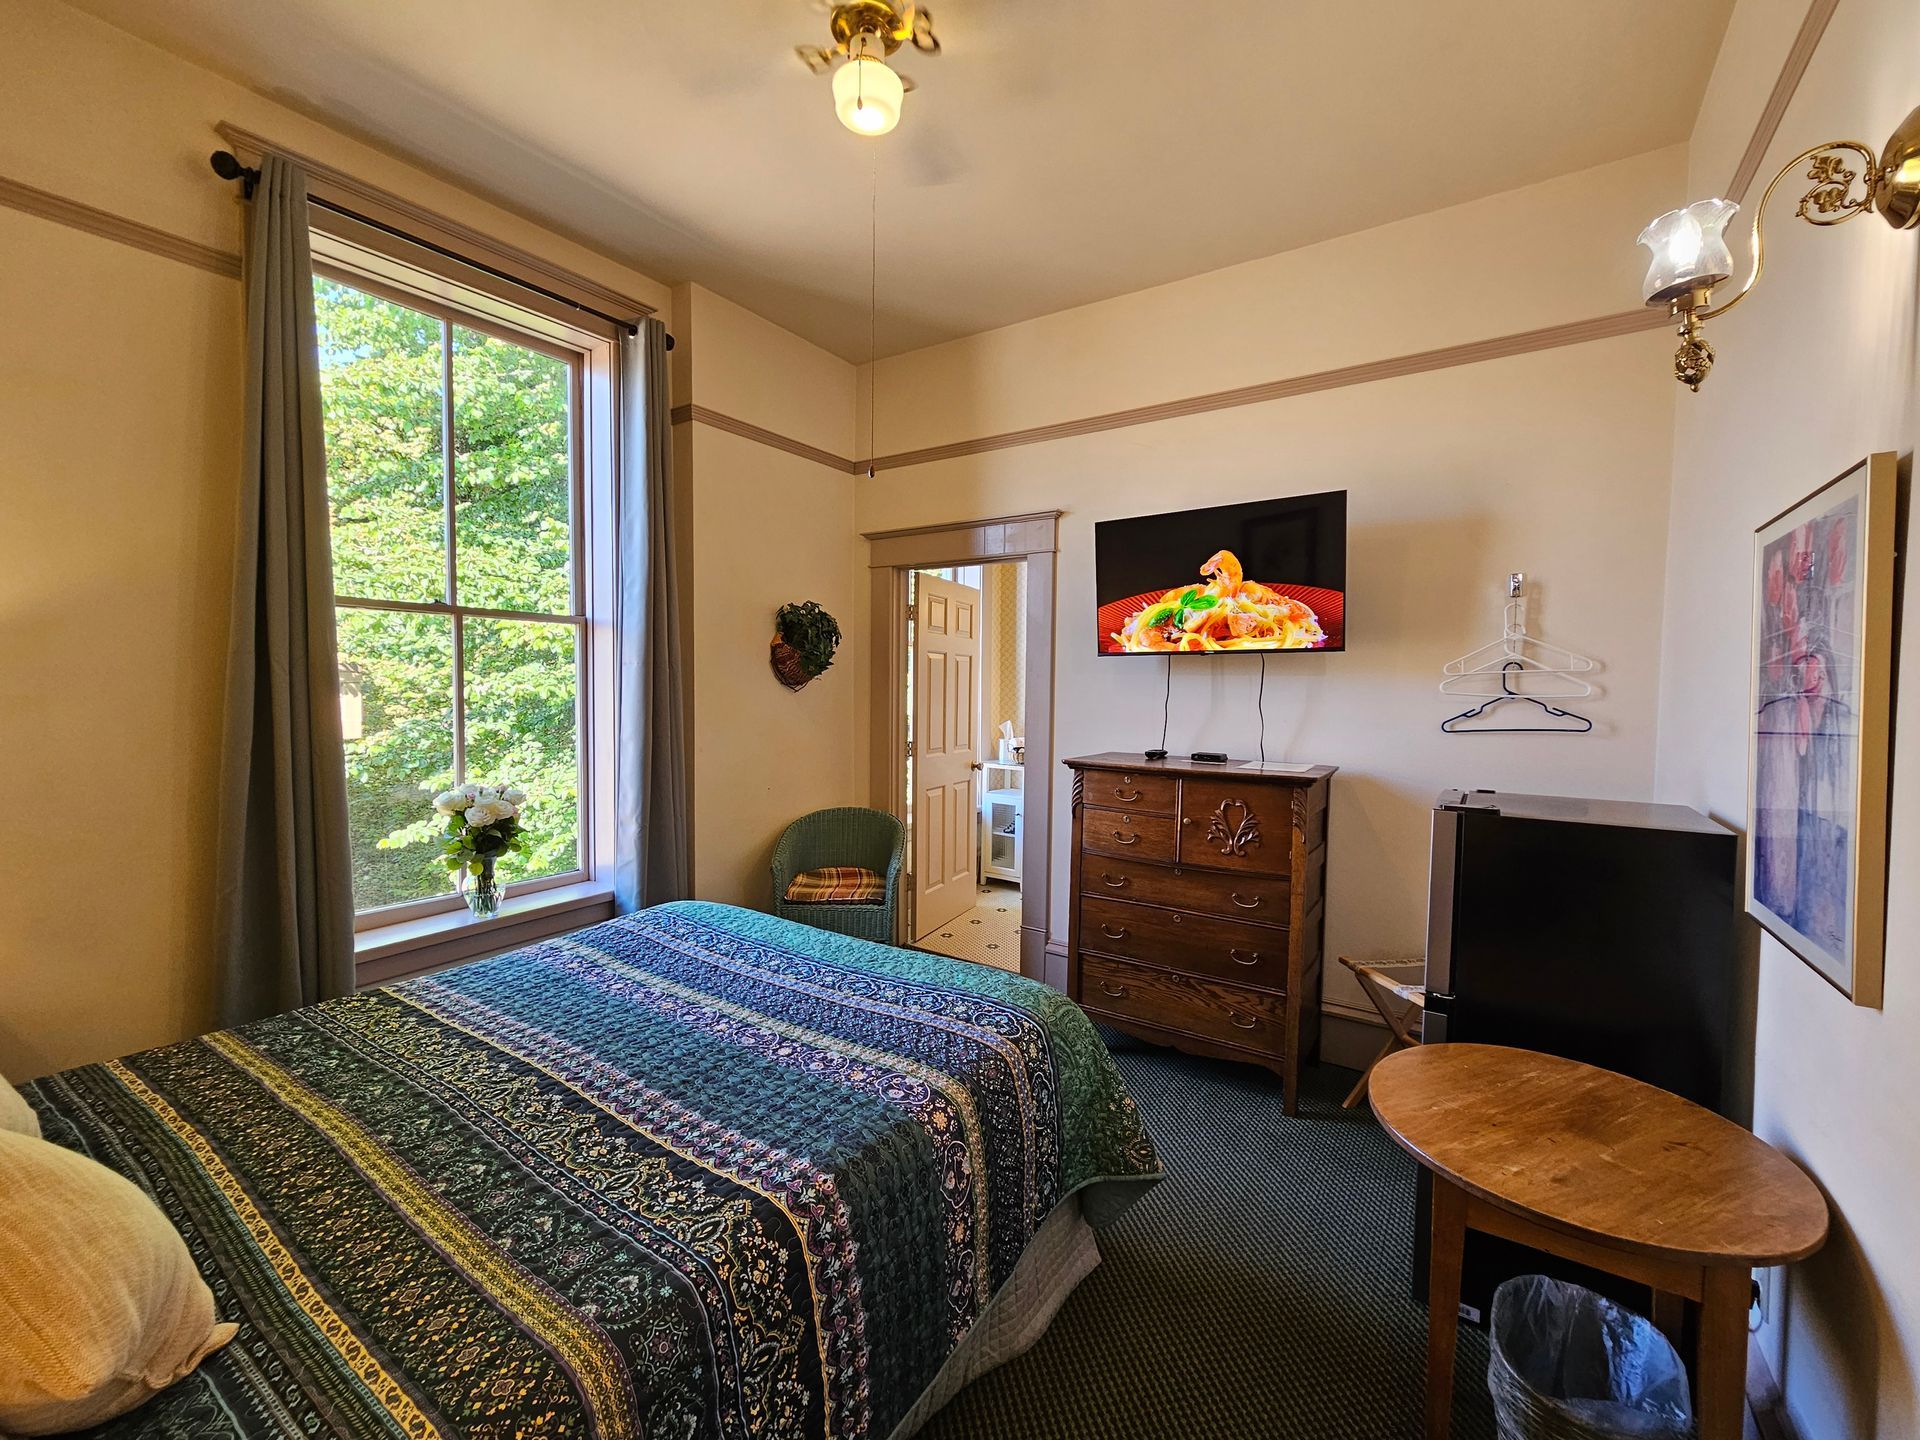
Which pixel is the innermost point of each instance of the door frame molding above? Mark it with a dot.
(1034, 538)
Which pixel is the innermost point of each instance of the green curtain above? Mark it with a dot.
(285, 890)
(650, 770)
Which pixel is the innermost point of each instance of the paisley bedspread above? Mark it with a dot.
(697, 1172)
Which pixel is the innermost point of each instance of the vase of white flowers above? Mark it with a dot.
(483, 823)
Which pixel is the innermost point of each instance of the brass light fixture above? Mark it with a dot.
(1690, 253)
(867, 93)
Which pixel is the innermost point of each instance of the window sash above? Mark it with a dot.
(580, 530)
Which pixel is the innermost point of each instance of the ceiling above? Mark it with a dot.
(1054, 154)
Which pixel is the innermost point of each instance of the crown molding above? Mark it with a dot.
(1473, 352)
(684, 414)
(1805, 41)
(30, 200)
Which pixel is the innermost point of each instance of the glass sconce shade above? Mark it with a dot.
(867, 95)
(1689, 249)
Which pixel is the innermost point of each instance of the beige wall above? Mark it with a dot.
(768, 528)
(1003, 651)
(1816, 369)
(119, 403)
(118, 372)
(1554, 463)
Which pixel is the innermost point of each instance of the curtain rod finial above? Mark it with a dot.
(228, 167)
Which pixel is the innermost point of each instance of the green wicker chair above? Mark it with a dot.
(848, 835)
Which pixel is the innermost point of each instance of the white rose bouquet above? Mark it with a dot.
(483, 823)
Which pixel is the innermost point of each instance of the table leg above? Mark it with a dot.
(1720, 1390)
(1669, 1316)
(1448, 1242)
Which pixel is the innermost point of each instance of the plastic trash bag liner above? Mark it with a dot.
(1568, 1364)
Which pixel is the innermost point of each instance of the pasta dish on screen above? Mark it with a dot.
(1229, 612)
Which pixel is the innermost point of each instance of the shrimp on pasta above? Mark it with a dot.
(1228, 612)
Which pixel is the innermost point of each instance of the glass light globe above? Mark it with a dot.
(1689, 249)
(867, 95)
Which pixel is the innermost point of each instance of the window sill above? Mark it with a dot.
(433, 942)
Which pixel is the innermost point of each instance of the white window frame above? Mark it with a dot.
(390, 934)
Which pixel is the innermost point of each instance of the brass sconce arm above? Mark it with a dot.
(1831, 201)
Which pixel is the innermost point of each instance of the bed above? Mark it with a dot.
(696, 1172)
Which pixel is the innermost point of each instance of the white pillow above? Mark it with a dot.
(15, 1114)
(101, 1306)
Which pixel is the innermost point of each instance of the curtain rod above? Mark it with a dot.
(228, 167)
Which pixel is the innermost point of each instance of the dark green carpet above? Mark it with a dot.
(1260, 1290)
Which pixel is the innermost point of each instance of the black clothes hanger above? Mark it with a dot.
(1451, 725)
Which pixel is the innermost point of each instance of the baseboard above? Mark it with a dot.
(1766, 1406)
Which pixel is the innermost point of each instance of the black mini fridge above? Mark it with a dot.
(1601, 930)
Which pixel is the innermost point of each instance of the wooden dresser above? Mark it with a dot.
(1198, 906)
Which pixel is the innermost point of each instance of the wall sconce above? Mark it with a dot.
(1689, 247)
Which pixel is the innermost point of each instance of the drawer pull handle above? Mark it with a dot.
(1113, 882)
(1123, 795)
(1119, 992)
(1246, 1024)
(1240, 959)
(1112, 934)
(1254, 904)
(1125, 839)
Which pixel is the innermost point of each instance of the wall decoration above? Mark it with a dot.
(1820, 711)
(804, 639)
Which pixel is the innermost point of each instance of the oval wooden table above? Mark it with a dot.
(1604, 1170)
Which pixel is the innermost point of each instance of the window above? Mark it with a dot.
(453, 475)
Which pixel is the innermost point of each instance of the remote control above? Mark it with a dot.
(1209, 757)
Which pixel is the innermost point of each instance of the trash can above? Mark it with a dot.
(1568, 1364)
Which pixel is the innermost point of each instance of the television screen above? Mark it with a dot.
(1270, 575)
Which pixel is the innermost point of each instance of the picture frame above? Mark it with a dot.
(1818, 732)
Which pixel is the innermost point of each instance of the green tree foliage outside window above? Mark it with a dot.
(384, 369)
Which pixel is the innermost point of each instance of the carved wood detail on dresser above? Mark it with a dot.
(1198, 913)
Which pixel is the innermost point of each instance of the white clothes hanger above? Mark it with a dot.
(1539, 667)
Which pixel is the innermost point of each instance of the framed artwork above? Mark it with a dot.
(1818, 742)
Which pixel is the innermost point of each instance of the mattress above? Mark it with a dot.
(696, 1172)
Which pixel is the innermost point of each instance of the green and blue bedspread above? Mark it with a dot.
(697, 1172)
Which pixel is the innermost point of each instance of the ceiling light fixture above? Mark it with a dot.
(1689, 246)
(868, 92)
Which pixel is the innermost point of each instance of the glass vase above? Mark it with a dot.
(482, 891)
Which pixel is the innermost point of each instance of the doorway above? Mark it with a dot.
(898, 673)
(963, 770)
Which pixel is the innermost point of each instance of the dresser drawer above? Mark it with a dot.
(1259, 899)
(1204, 1008)
(1127, 833)
(1231, 825)
(1126, 790)
(1193, 944)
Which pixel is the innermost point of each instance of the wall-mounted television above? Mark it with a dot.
(1269, 575)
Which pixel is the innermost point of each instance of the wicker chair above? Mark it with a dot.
(848, 835)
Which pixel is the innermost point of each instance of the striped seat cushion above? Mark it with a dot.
(837, 885)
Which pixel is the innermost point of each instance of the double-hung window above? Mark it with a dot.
(458, 495)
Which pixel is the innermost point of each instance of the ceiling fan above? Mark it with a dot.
(867, 92)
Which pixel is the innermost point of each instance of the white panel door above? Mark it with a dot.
(946, 704)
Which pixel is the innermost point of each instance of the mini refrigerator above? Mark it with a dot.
(1601, 930)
